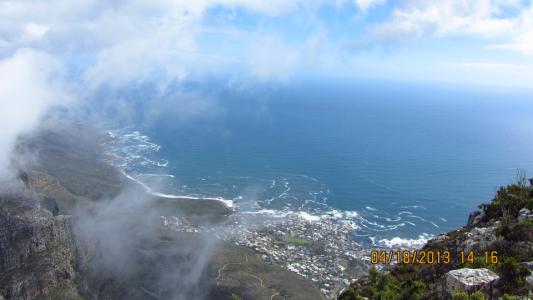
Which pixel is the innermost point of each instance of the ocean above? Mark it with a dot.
(402, 162)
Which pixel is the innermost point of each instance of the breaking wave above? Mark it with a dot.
(398, 242)
(132, 152)
(290, 195)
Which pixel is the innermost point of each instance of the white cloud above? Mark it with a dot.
(115, 43)
(35, 31)
(508, 21)
(522, 43)
(522, 37)
(365, 5)
(129, 40)
(496, 24)
(109, 43)
(27, 91)
(450, 17)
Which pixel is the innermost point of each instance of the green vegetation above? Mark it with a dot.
(344, 263)
(510, 199)
(386, 286)
(465, 296)
(234, 297)
(513, 276)
(505, 207)
(515, 231)
(383, 285)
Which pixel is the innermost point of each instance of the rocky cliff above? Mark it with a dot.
(38, 254)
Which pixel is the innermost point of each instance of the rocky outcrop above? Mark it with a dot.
(464, 240)
(469, 280)
(479, 238)
(37, 251)
(525, 215)
(476, 218)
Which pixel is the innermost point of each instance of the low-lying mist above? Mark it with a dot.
(131, 256)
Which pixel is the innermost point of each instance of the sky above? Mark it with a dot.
(470, 42)
(54, 52)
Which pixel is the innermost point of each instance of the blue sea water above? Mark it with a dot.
(401, 161)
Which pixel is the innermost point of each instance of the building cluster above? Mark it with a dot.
(318, 250)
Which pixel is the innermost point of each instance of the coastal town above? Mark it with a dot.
(320, 250)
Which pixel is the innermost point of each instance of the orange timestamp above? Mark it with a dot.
(431, 257)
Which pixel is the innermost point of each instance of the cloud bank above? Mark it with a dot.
(117, 44)
(29, 86)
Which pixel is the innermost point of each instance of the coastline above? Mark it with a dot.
(364, 229)
(297, 242)
(227, 203)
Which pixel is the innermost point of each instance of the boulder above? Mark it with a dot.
(469, 280)
(475, 218)
(525, 214)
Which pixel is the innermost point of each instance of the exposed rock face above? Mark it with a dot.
(467, 239)
(479, 238)
(524, 215)
(37, 253)
(40, 257)
(469, 280)
(476, 218)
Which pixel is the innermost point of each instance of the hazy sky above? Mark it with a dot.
(472, 42)
(59, 51)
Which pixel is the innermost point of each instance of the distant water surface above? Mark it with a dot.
(402, 162)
